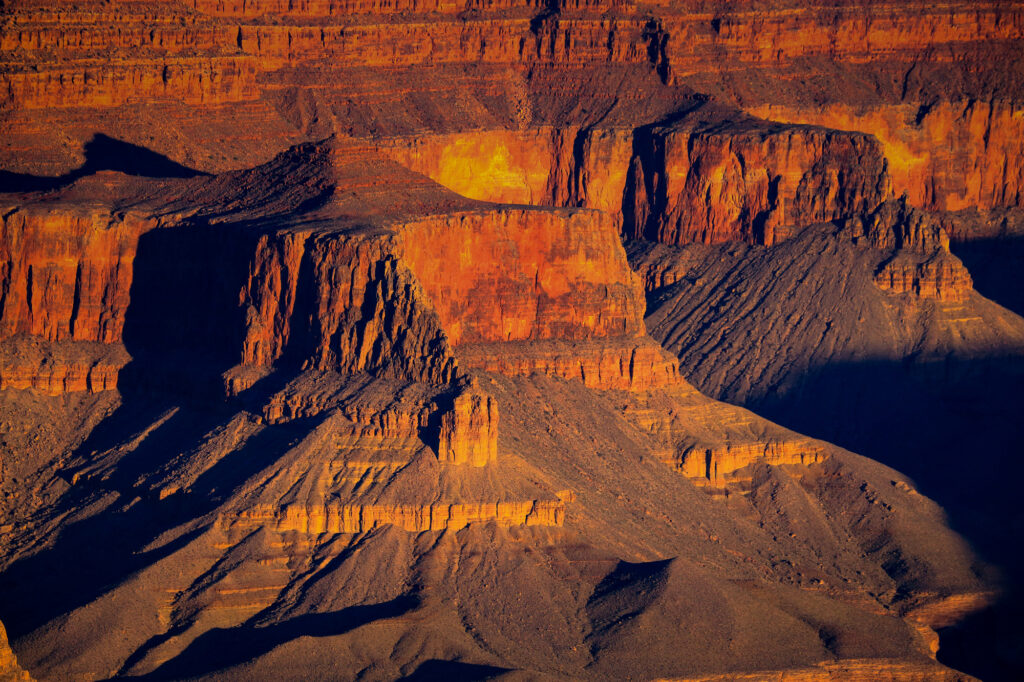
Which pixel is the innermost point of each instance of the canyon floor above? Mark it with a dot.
(513, 340)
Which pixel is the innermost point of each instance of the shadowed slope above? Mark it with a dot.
(801, 333)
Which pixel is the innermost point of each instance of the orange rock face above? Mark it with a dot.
(619, 363)
(941, 277)
(946, 156)
(469, 431)
(920, 262)
(517, 275)
(66, 272)
(9, 669)
(710, 179)
(414, 519)
(408, 218)
(716, 465)
(404, 300)
(361, 309)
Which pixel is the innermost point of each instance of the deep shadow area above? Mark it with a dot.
(183, 329)
(454, 671)
(955, 427)
(996, 266)
(102, 153)
(222, 648)
(96, 553)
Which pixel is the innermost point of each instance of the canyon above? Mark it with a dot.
(433, 340)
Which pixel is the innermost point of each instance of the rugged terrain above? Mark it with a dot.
(322, 355)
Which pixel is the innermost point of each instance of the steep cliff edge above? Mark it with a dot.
(336, 411)
(718, 175)
(368, 403)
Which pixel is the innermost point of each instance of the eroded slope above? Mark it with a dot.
(316, 461)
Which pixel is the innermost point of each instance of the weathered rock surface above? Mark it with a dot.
(335, 412)
(802, 332)
(9, 669)
(404, 377)
(718, 175)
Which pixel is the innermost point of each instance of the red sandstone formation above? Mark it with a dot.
(320, 351)
(716, 176)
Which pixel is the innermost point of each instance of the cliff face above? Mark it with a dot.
(942, 155)
(327, 407)
(525, 275)
(358, 309)
(721, 176)
(396, 300)
(66, 273)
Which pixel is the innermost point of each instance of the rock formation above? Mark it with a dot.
(321, 353)
(9, 669)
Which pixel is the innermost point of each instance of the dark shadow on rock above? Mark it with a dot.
(956, 427)
(218, 649)
(444, 671)
(183, 329)
(102, 153)
(93, 555)
(996, 266)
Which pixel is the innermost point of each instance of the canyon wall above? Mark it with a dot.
(66, 273)
(945, 155)
(719, 176)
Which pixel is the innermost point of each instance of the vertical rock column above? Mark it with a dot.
(469, 431)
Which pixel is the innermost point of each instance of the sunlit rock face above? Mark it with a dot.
(367, 336)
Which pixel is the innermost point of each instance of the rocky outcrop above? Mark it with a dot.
(920, 262)
(570, 166)
(66, 271)
(945, 155)
(611, 364)
(359, 310)
(517, 275)
(718, 175)
(469, 430)
(59, 368)
(207, 81)
(9, 669)
(941, 276)
(355, 518)
(716, 465)
(431, 275)
(65, 276)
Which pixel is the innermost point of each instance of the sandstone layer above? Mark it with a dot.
(318, 398)
(321, 355)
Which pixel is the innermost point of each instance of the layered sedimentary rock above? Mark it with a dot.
(348, 518)
(943, 155)
(623, 364)
(715, 464)
(58, 368)
(360, 310)
(9, 669)
(394, 300)
(379, 424)
(718, 175)
(920, 262)
(66, 271)
(469, 431)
